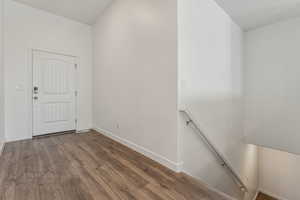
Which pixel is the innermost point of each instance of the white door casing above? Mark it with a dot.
(53, 92)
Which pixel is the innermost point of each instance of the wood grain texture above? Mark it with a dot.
(89, 166)
(262, 196)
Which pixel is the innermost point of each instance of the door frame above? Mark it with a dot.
(30, 84)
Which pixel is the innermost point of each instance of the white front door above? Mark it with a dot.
(53, 93)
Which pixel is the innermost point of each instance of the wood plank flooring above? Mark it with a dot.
(262, 196)
(89, 166)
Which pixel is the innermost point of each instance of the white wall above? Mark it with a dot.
(272, 86)
(27, 28)
(135, 76)
(279, 174)
(272, 115)
(1, 79)
(210, 71)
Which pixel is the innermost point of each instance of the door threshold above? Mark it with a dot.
(54, 134)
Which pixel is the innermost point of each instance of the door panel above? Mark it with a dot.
(53, 93)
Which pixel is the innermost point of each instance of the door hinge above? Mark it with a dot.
(76, 93)
(76, 120)
(75, 65)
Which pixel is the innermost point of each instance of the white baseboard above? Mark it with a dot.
(154, 156)
(1, 148)
(272, 194)
(256, 194)
(83, 131)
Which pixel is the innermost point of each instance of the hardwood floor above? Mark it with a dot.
(89, 166)
(262, 196)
